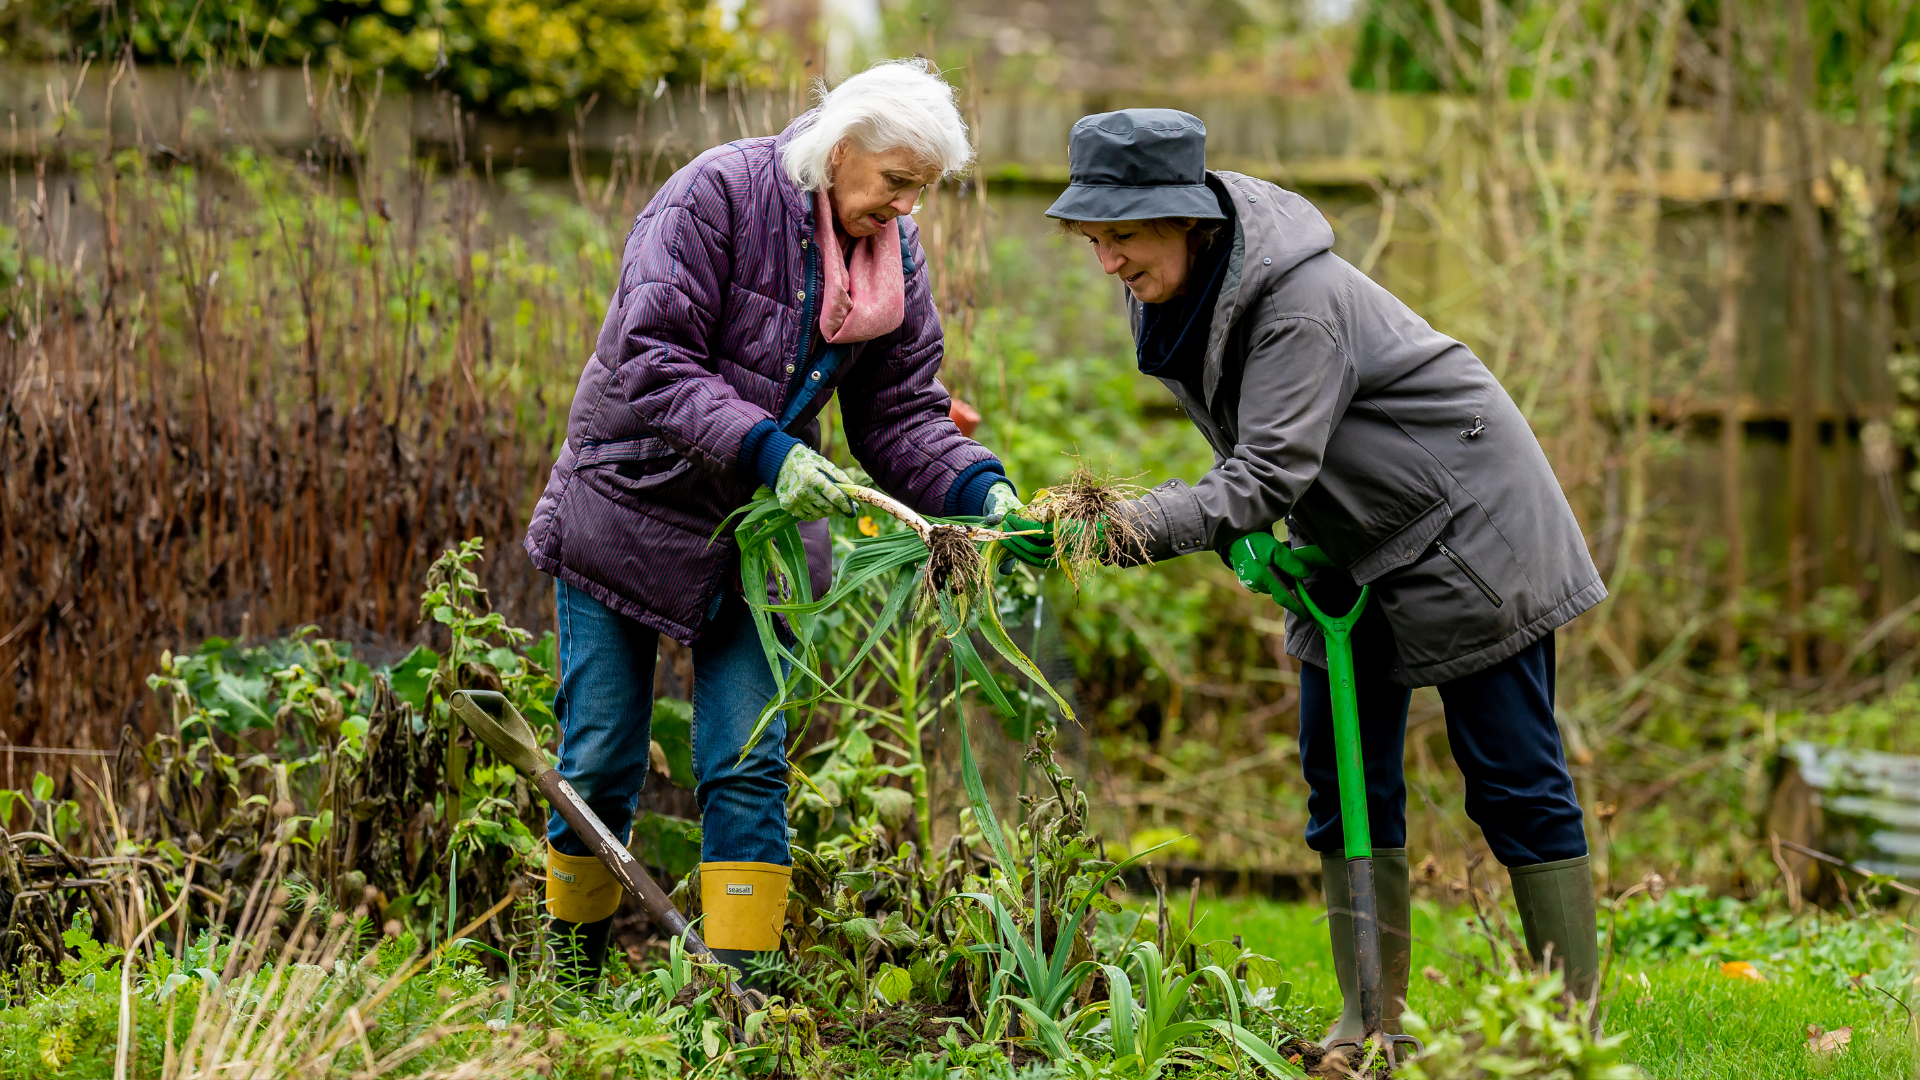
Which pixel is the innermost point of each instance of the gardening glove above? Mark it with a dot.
(1001, 500)
(1034, 550)
(808, 486)
(1256, 557)
(1252, 558)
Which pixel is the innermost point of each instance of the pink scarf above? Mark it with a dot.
(868, 297)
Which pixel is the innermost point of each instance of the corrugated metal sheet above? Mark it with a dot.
(1869, 804)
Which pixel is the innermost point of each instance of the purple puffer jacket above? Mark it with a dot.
(709, 344)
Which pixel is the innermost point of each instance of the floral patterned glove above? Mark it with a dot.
(1000, 502)
(808, 486)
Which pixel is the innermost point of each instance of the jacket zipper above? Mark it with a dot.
(1478, 582)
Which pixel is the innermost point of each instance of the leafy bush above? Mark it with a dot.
(514, 56)
(1518, 1026)
(1683, 922)
(1861, 952)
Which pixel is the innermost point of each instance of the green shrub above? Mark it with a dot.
(1518, 1026)
(509, 54)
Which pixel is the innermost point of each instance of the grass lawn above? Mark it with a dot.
(1688, 1021)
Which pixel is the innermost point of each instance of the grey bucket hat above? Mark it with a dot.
(1134, 165)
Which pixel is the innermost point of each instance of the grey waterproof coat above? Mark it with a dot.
(1332, 406)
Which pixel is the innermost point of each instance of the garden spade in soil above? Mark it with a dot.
(494, 721)
(1264, 565)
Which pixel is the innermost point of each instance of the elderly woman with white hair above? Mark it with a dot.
(765, 276)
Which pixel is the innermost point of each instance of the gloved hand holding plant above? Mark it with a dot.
(1077, 526)
(808, 486)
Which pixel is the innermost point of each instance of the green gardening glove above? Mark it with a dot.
(1039, 550)
(1252, 559)
(1260, 562)
(808, 486)
(1033, 550)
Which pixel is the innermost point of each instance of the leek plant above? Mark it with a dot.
(901, 650)
(1149, 1034)
(934, 576)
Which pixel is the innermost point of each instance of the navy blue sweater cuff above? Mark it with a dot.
(765, 449)
(968, 495)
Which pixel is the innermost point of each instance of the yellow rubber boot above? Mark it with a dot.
(582, 897)
(745, 906)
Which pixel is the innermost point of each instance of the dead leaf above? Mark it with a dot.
(1428, 871)
(1740, 969)
(1821, 1041)
(1434, 975)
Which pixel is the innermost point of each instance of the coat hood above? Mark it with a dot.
(1277, 224)
(1274, 231)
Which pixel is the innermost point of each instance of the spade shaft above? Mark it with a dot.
(625, 868)
(1350, 767)
(495, 722)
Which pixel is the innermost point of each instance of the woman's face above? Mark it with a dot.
(1153, 260)
(872, 187)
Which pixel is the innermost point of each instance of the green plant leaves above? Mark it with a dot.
(771, 551)
(893, 984)
(670, 843)
(982, 807)
(412, 677)
(673, 730)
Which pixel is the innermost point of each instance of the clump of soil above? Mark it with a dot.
(1092, 523)
(955, 567)
(1323, 1064)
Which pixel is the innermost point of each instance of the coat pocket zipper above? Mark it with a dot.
(1478, 582)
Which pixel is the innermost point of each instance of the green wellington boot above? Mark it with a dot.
(1556, 908)
(1391, 882)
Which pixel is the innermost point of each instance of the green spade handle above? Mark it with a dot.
(1263, 565)
(1250, 557)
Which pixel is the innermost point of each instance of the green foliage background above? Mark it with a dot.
(512, 55)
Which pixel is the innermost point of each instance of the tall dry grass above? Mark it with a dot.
(240, 392)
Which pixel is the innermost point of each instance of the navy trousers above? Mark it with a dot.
(1501, 729)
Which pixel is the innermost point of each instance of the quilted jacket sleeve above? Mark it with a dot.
(673, 290)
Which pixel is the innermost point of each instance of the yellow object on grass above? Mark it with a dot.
(745, 904)
(1740, 969)
(580, 888)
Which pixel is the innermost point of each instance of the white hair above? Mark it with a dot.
(894, 104)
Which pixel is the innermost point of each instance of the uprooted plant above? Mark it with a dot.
(1092, 524)
(1024, 945)
(941, 562)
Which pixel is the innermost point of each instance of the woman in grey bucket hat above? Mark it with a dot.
(1333, 408)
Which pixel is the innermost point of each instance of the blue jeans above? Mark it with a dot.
(1501, 730)
(605, 707)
